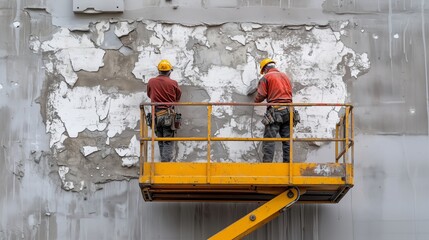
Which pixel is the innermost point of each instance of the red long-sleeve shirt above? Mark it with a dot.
(274, 86)
(163, 89)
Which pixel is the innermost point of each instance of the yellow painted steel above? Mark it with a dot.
(209, 133)
(246, 173)
(291, 144)
(258, 217)
(193, 176)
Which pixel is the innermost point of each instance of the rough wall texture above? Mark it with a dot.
(70, 86)
(91, 99)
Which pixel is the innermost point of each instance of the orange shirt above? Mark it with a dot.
(274, 86)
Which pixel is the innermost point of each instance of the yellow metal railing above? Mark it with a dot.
(344, 133)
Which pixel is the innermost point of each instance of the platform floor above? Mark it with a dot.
(323, 182)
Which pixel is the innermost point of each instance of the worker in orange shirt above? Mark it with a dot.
(275, 87)
(164, 89)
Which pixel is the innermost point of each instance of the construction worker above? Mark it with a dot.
(164, 89)
(275, 87)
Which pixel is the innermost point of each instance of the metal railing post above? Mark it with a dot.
(209, 133)
(291, 144)
(152, 160)
(346, 150)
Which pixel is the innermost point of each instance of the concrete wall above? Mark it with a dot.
(70, 86)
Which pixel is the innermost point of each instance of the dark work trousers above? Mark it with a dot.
(281, 126)
(165, 147)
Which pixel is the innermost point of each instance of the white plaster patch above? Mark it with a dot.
(64, 39)
(88, 59)
(240, 39)
(67, 185)
(247, 27)
(35, 44)
(237, 150)
(228, 48)
(63, 66)
(169, 43)
(56, 128)
(1, 86)
(101, 28)
(87, 150)
(130, 154)
(123, 28)
(16, 24)
(73, 53)
(323, 170)
(89, 108)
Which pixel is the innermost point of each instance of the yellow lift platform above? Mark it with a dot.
(278, 184)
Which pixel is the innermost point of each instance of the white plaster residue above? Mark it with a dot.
(239, 126)
(34, 43)
(240, 39)
(64, 68)
(222, 76)
(123, 28)
(129, 161)
(130, 154)
(88, 59)
(169, 42)
(315, 67)
(1, 86)
(62, 171)
(228, 48)
(16, 24)
(73, 52)
(396, 36)
(49, 67)
(247, 27)
(131, 150)
(56, 128)
(89, 108)
(342, 26)
(323, 170)
(87, 150)
(64, 39)
(101, 28)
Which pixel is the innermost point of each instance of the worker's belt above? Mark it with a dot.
(279, 108)
(162, 113)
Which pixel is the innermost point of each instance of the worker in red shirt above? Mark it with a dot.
(164, 89)
(275, 87)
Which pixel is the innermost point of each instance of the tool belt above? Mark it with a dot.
(165, 118)
(273, 115)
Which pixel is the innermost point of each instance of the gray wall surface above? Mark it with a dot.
(70, 86)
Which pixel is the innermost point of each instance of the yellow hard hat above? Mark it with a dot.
(164, 66)
(264, 63)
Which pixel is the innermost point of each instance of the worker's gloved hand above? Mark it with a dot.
(253, 86)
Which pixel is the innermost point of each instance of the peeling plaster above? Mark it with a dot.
(123, 28)
(67, 185)
(313, 57)
(130, 154)
(88, 150)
